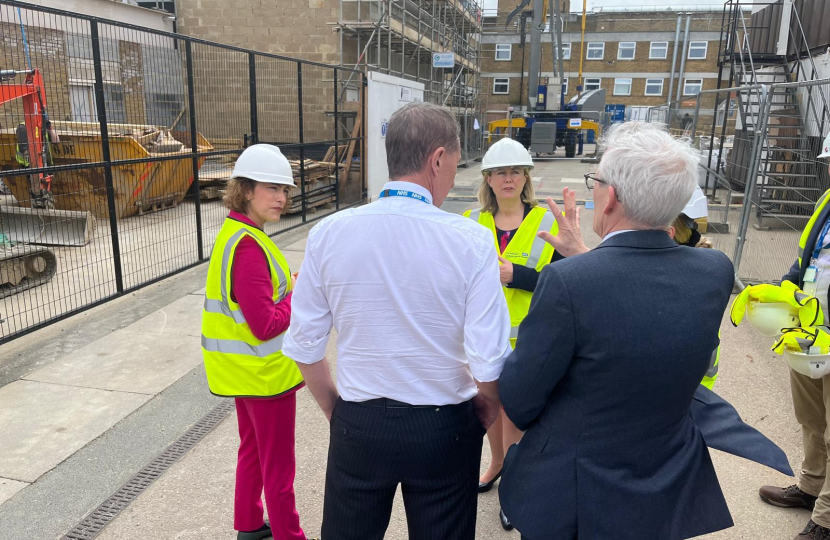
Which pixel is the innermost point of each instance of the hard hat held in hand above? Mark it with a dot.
(769, 319)
(784, 301)
(264, 163)
(506, 153)
(825, 147)
(807, 350)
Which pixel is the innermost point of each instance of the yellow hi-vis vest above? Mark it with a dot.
(526, 249)
(237, 363)
(805, 235)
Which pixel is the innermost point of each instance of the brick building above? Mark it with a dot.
(628, 53)
(138, 68)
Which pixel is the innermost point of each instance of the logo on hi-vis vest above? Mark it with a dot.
(516, 254)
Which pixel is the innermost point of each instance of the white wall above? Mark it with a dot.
(383, 99)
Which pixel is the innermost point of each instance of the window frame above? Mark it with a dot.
(686, 83)
(662, 86)
(627, 48)
(495, 79)
(705, 50)
(651, 51)
(509, 52)
(568, 46)
(630, 85)
(585, 83)
(588, 50)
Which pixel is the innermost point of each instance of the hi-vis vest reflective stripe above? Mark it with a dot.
(526, 249)
(236, 362)
(712, 373)
(805, 235)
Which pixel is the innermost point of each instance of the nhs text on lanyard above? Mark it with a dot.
(403, 193)
(812, 270)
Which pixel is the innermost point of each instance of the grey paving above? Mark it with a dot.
(43, 423)
(61, 498)
(9, 487)
(128, 361)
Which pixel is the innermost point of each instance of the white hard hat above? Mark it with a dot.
(696, 207)
(264, 163)
(814, 366)
(825, 147)
(769, 318)
(506, 153)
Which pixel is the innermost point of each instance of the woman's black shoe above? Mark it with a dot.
(484, 487)
(259, 534)
(505, 523)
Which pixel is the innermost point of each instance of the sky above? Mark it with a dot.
(576, 5)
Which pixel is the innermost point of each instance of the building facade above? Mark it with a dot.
(628, 53)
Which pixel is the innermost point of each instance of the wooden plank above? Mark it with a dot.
(350, 152)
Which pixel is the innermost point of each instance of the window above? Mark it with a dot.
(692, 87)
(595, 51)
(566, 51)
(626, 50)
(622, 87)
(697, 50)
(503, 52)
(592, 84)
(654, 87)
(501, 86)
(659, 50)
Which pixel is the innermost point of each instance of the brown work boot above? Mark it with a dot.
(814, 531)
(788, 497)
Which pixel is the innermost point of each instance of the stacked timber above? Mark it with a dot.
(318, 184)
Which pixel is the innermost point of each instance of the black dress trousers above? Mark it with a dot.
(433, 452)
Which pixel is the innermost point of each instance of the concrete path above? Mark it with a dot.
(87, 403)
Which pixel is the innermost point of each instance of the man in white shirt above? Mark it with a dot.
(423, 332)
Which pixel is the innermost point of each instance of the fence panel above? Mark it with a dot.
(144, 128)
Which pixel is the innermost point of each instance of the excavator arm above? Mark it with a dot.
(34, 110)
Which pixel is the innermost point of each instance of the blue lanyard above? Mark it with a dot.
(403, 193)
(820, 244)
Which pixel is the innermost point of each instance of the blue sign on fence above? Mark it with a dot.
(443, 60)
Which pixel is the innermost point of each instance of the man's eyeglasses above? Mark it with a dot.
(591, 180)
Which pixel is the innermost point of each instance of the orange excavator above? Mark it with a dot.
(33, 150)
(23, 265)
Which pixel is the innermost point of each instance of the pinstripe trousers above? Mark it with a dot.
(434, 453)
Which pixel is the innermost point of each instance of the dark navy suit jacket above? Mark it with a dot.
(605, 369)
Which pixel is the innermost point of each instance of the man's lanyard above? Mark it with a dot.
(820, 243)
(403, 193)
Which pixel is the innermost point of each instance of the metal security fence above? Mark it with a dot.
(117, 141)
(758, 166)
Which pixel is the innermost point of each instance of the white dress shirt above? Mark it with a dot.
(414, 295)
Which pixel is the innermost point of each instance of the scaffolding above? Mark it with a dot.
(400, 37)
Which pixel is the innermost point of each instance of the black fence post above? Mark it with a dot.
(254, 118)
(101, 107)
(336, 148)
(194, 147)
(302, 138)
(362, 135)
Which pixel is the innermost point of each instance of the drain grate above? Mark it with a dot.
(92, 525)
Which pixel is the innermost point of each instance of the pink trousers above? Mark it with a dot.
(266, 460)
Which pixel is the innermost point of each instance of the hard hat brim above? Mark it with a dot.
(267, 178)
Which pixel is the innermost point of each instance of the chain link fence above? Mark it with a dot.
(117, 141)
